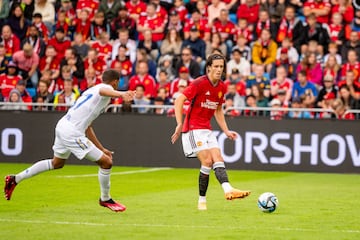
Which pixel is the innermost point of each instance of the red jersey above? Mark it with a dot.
(354, 67)
(240, 87)
(147, 81)
(60, 47)
(245, 32)
(126, 66)
(8, 83)
(104, 50)
(205, 98)
(137, 8)
(165, 85)
(174, 86)
(152, 23)
(226, 30)
(251, 14)
(312, 4)
(162, 13)
(54, 64)
(347, 116)
(84, 84)
(348, 15)
(11, 45)
(202, 26)
(83, 28)
(334, 31)
(182, 12)
(99, 65)
(356, 85)
(90, 5)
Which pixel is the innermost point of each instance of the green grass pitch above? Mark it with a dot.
(162, 204)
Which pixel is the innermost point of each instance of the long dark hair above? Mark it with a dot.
(210, 60)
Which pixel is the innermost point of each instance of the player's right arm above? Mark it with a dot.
(127, 96)
(179, 104)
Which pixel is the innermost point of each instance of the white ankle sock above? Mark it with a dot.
(226, 187)
(104, 181)
(202, 199)
(38, 167)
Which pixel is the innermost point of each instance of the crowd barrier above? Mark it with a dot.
(304, 145)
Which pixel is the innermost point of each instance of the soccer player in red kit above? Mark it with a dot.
(207, 96)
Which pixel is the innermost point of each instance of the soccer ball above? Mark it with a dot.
(268, 202)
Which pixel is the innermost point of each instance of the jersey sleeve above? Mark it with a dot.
(190, 91)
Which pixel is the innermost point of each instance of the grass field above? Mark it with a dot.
(162, 205)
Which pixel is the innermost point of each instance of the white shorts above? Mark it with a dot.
(197, 140)
(70, 140)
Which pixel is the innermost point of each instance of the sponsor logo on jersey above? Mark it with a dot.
(209, 104)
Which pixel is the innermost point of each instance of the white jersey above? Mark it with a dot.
(88, 107)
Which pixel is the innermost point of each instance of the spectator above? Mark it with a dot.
(249, 10)
(164, 85)
(123, 21)
(312, 68)
(82, 24)
(50, 63)
(283, 58)
(43, 93)
(25, 95)
(333, 51)
(142, 56)
(275, 9)
(353, 85)
(315, 31)
(251, 103)
(90, 6)
(197, 46)
(67, 8)
(124, 40)
(150, 46)
(261, 100)
(199, 22)
(202, 7)
(44, 31)
(161, 12)
(4, 60)
(292, 28)
(98, 26)
(281, 84)
(264, 22)
(240, 83)
(103, 46)
(264, 50)
(340, 110)
(245, 50)
(135, 7)
(171, 45)
(258, 77)
(354, 25)
(319, 8)
(304, 88)
(159, 103)
(298, 103)
(327, 101)
(144, 78)
(14, 97)
(352, 44)
(336, 29)
(184, 78)
(64, 23)
(180, 10)
(349, 101)
(126, 67)
(27, 61)
(343, 7)
(151, 21)
(228, 107)
(328, 87)
(226, 28)
(35, 40)
(17, 21)
(166, 64)
(90, 80)
(47, 11)
(65, 74)
(4, 12)
(215, 43)
(9, 79)
(74, 61)
(275, 113)
(176, 24)
(141, 100)
(110, 8)
(243, 29)
(214, 10)
(163, 93)
(94, 61)
(332, 68)
(80, 46)
(232, 91)
(70, 93)
(60, 43)
(187, 61)
(240, 63)
(352, 63)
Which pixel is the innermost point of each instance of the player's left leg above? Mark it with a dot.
(221, 175)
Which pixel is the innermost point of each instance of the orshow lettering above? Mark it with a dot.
(291, 148)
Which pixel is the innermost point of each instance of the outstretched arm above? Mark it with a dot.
(179, 104)
(127, 96)
(220, 119)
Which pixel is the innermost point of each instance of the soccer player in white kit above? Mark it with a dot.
(74, 134)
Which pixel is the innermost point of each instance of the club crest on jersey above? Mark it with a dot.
(220, 94)
(199, 144)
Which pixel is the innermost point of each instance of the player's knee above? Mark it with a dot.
(207, 162)
(105, 162)
(57, 164)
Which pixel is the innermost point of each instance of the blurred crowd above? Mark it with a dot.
(300, 54)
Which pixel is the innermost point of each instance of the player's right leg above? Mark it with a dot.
(206, 163)
(41, 166)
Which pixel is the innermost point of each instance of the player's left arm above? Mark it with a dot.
(220, 119)
(127, 96)
(90, 134)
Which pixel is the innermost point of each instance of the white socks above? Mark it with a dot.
(104, 181)
(226, 187)
(38, 167)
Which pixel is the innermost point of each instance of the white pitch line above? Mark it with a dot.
(117, 173)
(172, 226)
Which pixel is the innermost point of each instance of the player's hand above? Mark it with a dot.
(176, 134)
(128, 96)
(108, 152)
(231, 135)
